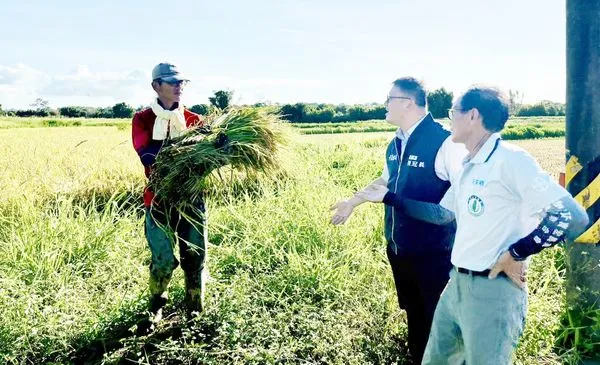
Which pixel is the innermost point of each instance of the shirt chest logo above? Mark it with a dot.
(475, 205)
(413, 161)
(393, 157)
(478, 182)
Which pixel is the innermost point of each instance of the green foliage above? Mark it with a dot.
(438, 102)
(103, 113)
(326, 113)
(34, 113)
(202, 109)
(532, 131)
(580, 332)
(221, 99)
(544, 108)
(27, 113)
(365, 112)
(320, 113)
(122, 110)
(72, 112)
(293, 113)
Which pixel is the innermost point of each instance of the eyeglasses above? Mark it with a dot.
(396, 97)
(180, 83)
(451, 112)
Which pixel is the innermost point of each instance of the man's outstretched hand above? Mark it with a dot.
(373, 193)
(343, 211)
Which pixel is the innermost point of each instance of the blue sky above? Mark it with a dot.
(88, 53)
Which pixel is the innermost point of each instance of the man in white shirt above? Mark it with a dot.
(420, 163)
(506, 209)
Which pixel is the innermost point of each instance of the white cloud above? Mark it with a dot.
(250, 90)
(20, 85)
(83, 82)
(19, 74)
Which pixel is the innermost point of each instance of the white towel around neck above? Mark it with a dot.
(171, 121)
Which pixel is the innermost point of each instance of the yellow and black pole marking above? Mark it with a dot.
(583, 181)
(582, 142)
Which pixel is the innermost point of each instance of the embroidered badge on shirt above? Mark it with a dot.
(393, 157)
(475, 205)
(478, 182)
(413, 162)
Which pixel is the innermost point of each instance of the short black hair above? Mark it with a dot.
(414, 88)
(159, 81)
(491, 103)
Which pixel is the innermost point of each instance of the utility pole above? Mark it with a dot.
(582, 175)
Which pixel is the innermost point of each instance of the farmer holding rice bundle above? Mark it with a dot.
(191, 149)
(166, 119)
(243, 139)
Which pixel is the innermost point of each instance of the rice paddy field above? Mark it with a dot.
(516, 128)
(285, 285)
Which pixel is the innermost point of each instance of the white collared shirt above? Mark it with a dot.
(496, 201)
(448, 161)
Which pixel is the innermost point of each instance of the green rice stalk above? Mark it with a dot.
(245, 139)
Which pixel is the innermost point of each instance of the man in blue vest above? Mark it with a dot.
(507, 209)
(420, 163)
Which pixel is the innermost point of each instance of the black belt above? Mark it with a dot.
(485, 273)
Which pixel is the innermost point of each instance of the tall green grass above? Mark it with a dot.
(285, 286)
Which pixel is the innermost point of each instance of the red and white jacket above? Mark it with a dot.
(146, 147)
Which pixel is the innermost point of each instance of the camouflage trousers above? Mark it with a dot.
(166, 228)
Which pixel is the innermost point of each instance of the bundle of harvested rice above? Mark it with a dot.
(246, 139)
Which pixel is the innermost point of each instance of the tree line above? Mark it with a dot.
(438, 101)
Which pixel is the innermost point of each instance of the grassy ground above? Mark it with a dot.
(285, 287)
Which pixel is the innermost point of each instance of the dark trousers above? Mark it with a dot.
(420, 280)
(164, 227)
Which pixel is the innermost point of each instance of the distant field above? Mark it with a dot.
(517, 128)
(35, 122)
